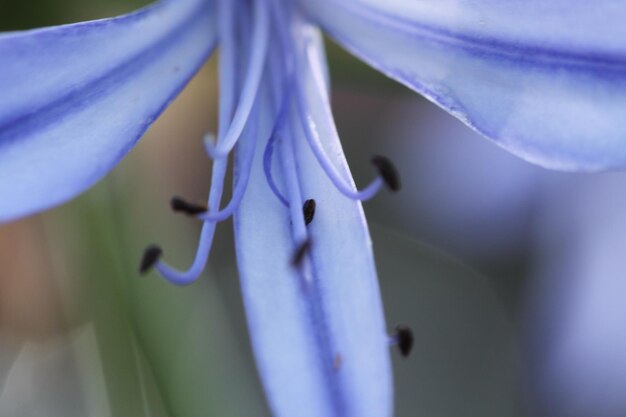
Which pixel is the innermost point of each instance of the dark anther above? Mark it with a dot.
(190, 209)
(387, 171)
(404, 337)
(309, 211)
(150, 257)
(298, 255)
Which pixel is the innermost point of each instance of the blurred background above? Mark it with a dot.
(512, 277)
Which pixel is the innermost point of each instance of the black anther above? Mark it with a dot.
(308, 209)
(150, 257)
(387, 171)
(190, 209)
(404, 337)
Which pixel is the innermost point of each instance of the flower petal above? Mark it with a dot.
(545, 80)
(76, 98)
(321, 346)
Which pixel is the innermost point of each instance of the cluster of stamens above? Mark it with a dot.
(235, 115)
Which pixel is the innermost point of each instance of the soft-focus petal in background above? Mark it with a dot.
(577, 312)
(552, 244)
(473, 199)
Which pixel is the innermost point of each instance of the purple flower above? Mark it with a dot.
(544, 80)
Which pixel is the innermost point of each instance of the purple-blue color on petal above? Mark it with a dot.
(318, 330)
(545, 80)
(76, 98)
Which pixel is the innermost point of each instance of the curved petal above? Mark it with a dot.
(545, 80)
(321, 345)
(76, 98)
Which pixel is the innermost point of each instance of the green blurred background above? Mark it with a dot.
(81, 334)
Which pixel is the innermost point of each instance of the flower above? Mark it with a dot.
(544, 80)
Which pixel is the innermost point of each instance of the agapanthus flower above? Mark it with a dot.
(543, 79)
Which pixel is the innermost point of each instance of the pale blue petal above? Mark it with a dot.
(76, 98)
(321, 351)
(544, 79)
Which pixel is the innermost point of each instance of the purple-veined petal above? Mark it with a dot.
(76, 98)
(321, 347)
(545, 80)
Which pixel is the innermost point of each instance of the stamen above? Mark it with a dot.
(299, 259)
(227, 68)
(258, 51)
(208, 227)
(269, 147)
(242, 178)
(387, 171)
(209, 140)
(150, 257)
(190, 209)
(300, 252)
(403, 339)
(227, 65)
(287, 158)
(308, 209)
(313, 139)
(300, 233)
(267, 168)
